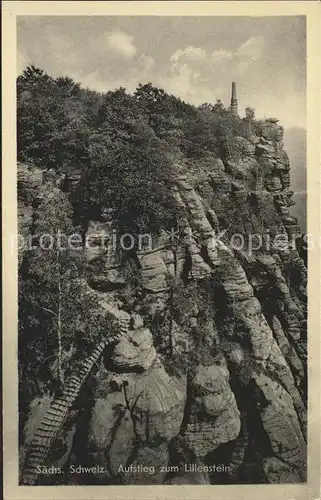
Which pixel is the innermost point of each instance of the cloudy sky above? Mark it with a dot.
(193, 58)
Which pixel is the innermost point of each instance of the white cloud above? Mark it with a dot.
(190, 53)
(194, 71)
(249, 52)
(109, 56)
(191, 73)
(220, 56)
(221, 61)
(185, 83)
(122, 43)
(252, 48)
(196, 75)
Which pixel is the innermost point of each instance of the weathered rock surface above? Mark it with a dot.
(136, 351)
(253, 331)
(103, 256)
(278, 472)
(288, 350)
(29, 181)
(282, 426)
(160, 405)
(153, 271)
(111, 434)
(214, 416)
(155, 459)
(59, 454)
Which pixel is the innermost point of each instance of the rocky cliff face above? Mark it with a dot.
(240, 398)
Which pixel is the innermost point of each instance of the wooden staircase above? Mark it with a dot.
(59, 408)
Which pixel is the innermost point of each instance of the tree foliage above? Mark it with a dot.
(57, 316)
(123, 146)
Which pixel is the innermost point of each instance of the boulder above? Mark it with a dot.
(103, 256)
(281, 424)
(214, 416)
(154, 399)
(159, 408)
(136, 321)
(135, 351)
(277, 472)
(153, 272)
(110, 435)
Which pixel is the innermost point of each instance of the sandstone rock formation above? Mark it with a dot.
(246, 396)
(214, 416)
(135, 351)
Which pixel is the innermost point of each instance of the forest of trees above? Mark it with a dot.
(123, 145)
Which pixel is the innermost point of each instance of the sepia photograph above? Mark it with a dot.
(162, 250)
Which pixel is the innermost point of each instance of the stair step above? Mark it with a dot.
(55, 413)
(57, 403)
(58, 414)
(34, 461)
(50, 422)
(41, 433)
(58, 410)
(69, 389)
(37, 445)
(95, 355)
(36, 454)
(49, 418)
(71, 396)
(43, 440)
(73, 384)
(52, 411)
(46, 424)
(59, 406)
(88, 366)
(29, 476)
